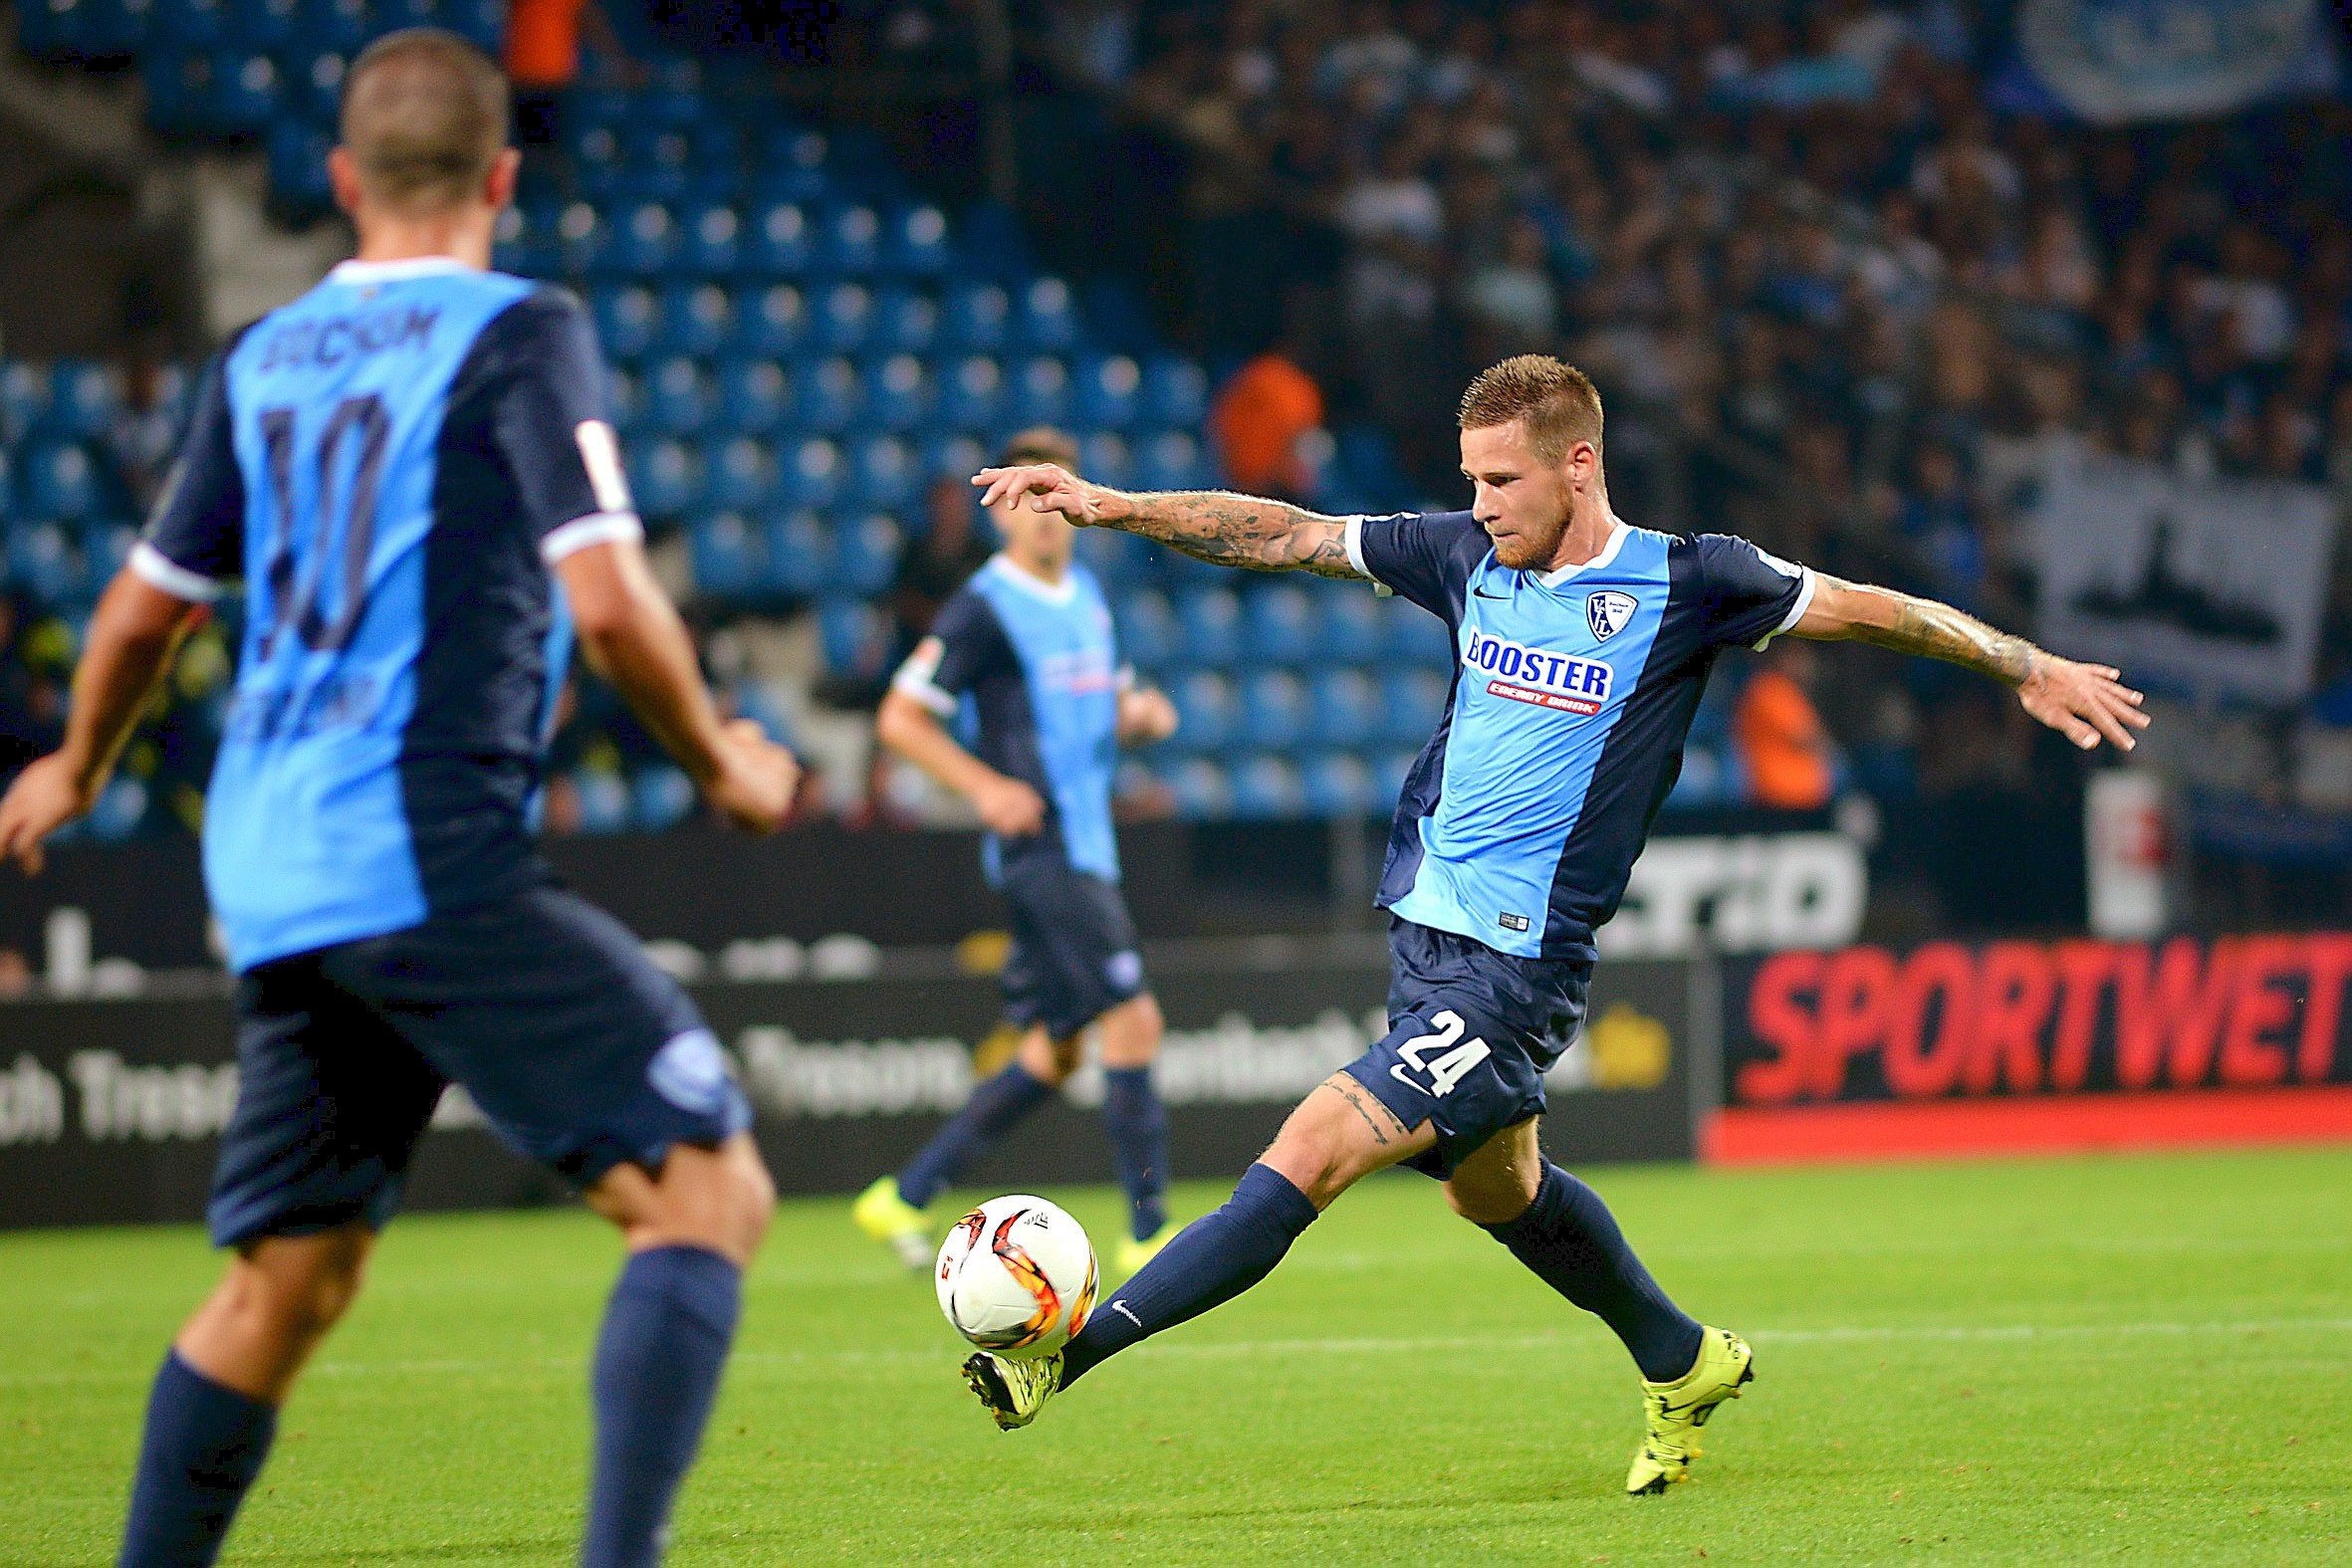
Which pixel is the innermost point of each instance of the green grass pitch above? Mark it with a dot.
(2142, 1358)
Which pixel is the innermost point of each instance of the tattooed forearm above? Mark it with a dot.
(1378, 1117)
(1242, 530)
(1938, 631)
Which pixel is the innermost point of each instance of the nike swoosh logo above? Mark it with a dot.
(1120, 1307)
(1484, 595)
(1398, 1073)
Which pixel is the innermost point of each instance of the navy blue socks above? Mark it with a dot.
(666, 1334)
(1569, 1239)
(1138, 1128)
(1208, 1262)
(202, 1447)
(994, 1109)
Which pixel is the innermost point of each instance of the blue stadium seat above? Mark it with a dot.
(24, 399)
(83, 399)
(844, 315)
(884, 475)
(1049, 315)
(646, 239)
(264, 24)
(678, 397)
(179, 90)
(659, 796)
(1145, 626)
(104, 548)
(1205, 711)
(665, 478)
(830, 395)
(1282, 625)
(314, 90)
(625, 398)
(972, 398)
(774, 320)
(1352, 623)
(897, 393)
(585, 237)
(714, 240)
(742, 473)
(1041, 392)
(865, 559)
(43, 563)
(384, 16)
(1105, 392)
(1212, 622)
(246, 91)
(1266, 787)
(854, 637)
(851, 241)
(628, 320)
(524, 242)
(595, 148)
(1347, 708)
(1273, 710)
(973, 317)
(603, 801)
(7, 507)
(1119, 560)
(800, 554)
(917, 242)
(1103, 458)
(1410, 632)
(792, 162)
(1202, 790)
(186, 24)
(1390, 770)
(812, 474)
(1411, 702)
(700, 318)
(779, 241)
(729, 554)
(122, 806)
(1173, 393)
(1171, 460)
(58, 480)
(755, 396)
(483, 21)
(1338, 785)
(954, 453)
(904, 322)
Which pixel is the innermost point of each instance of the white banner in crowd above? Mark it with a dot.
(2216, 587)
(2113, 61)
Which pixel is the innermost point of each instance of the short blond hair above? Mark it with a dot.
(1558, 401)
(424, 116)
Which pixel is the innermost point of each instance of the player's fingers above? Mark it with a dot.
(2110, 726)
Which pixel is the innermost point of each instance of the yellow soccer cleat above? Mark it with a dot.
(1012, 1391)
(1134, 1255)
(1677, 1411)
(890, 1218)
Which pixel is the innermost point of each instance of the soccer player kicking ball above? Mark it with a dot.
(1582, 645)
(400, 465)
(1029, 642)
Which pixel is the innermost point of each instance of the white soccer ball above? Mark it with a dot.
(1016, 1276)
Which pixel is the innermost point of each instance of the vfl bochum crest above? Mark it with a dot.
(1608, 612)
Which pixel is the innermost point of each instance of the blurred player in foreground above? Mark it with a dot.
(1028, 643)
(1582, 644)
(399, 466)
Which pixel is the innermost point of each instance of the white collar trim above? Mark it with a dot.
(1030, 582)
(394, 271)
(1618, 529)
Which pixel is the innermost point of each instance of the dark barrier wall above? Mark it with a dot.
(109, 1110)
(2030, 1044)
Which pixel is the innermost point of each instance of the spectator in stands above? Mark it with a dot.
(1257, 419)
(951, 549)
(1789, 757)
(542, 39)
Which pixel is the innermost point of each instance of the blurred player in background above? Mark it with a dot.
(1583, 645)
(1025, 649)
(400, 465)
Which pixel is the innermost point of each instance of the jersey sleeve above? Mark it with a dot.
(1750, 596)
(966, 646)
(1425, 557)
(545, 383)
(193, 547)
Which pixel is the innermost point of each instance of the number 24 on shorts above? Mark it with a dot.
(1439, 1055)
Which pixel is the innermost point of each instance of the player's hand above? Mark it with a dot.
(1146, 717)
(1010, 808)
(1049, 487)
(46, 797)
(2084, 702)
(756, 778)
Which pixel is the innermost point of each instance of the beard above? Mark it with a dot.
(1522, 552)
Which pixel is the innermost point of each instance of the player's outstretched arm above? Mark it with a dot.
(132, 637)
(1227, 530)
(631, 634)
(2082, 702)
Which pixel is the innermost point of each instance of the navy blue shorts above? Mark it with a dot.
(1073, 955)
(581, 1054)
(1471, 1034)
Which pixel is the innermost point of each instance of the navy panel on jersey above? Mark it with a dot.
(580, 1051)
(1472, 1032)
(1075, 955)
(1574, 691)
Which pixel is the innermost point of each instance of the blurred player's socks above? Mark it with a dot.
(202, 1448)
(659, 1360)
(1139, 1126)
(1570, 1239)
(1211, 1260)
(994, 1109)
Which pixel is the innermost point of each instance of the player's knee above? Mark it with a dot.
(1050, 1062)
(751, 1196)
(1131, 1032)
(1493, 1199)
(297, 1297)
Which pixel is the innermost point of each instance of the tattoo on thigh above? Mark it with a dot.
(1363, 1105)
